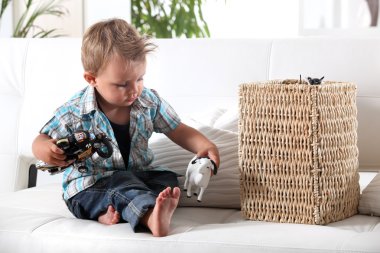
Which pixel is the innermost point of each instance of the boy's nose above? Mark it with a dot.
(134, 86)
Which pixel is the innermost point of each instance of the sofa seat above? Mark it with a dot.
(194, 76)
(37, 220)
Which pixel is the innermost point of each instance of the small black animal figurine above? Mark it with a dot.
(315, 81)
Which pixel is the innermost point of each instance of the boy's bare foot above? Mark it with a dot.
(110, 217)
(158, 219)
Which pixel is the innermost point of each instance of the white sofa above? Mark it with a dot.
(200, 78)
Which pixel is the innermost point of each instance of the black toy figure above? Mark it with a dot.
(78, 147)
(315, 81)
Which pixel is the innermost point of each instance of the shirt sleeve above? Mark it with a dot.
(166, 118)
(54, 128)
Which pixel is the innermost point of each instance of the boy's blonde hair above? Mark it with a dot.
(103, 39)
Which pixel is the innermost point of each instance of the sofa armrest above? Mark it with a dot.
(32, 179)
(23, 172)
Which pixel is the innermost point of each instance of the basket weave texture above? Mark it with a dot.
(298, 155)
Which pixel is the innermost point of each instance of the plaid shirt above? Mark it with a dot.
(149, 113)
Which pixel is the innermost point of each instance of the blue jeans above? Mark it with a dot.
(131, 193)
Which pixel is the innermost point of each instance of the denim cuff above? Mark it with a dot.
(137, 208)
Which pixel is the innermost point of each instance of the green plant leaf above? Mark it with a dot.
(25, 25)
(4, 4)
(168, 18)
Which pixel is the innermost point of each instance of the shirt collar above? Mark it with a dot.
(88, 101)
(90, 104)
(143, 100)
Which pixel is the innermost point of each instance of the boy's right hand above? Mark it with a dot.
(45, 149)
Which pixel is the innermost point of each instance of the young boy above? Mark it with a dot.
(124, 187)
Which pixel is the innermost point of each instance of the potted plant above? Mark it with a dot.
(167, 19)
(26, 24)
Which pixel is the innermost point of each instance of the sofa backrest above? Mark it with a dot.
(37, 75)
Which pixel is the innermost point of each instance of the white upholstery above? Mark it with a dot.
(42, 223)
(37, 75)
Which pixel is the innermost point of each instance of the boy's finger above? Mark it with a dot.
(215, 159)
(60, 157)
(57, 150)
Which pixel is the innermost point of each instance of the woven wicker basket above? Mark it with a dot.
(298, 154)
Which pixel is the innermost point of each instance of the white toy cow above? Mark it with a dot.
(198, 175)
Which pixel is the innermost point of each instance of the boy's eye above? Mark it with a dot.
(124, 85)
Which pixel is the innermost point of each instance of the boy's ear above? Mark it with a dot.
(90, 78)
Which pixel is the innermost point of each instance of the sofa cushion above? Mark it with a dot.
(223, 190)
(370, 198)
(37, 220)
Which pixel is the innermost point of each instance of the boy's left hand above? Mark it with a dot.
(194, 141)
(212, 152)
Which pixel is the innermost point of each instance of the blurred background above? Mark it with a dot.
(194, 18)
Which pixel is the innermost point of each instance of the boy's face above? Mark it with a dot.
(119, 84)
